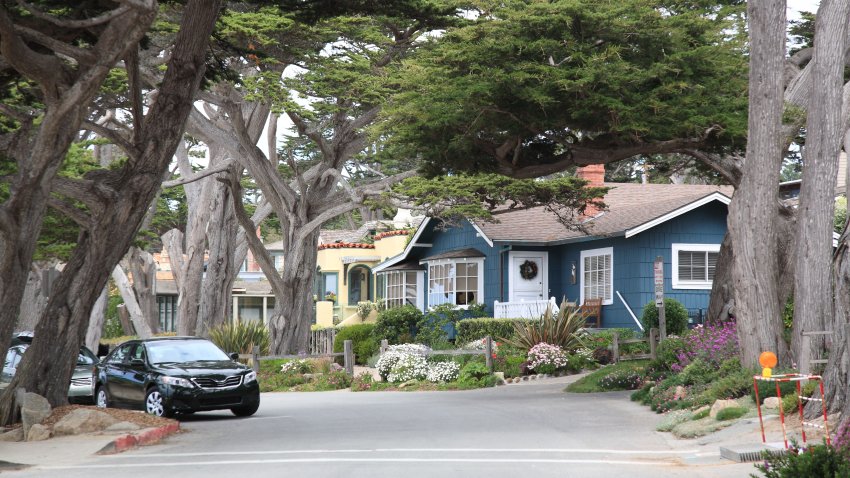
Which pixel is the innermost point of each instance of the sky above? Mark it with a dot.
(796, 6)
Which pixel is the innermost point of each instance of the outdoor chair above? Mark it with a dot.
(591, 310)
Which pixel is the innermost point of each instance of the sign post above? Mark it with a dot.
(659, 296)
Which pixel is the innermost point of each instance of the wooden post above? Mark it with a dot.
(255, 358)
(653, 342)
(616, 346)
(805, 354)
(348, 357)
(385, 344)
(659, 296)
(488, 350)
(329, 339)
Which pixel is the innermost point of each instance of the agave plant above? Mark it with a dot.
(241, 337)
(564, 328)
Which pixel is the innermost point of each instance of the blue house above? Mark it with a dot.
(529, 257)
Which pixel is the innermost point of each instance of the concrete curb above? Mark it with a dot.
(145, 437)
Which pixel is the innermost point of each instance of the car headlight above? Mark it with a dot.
(250, 377)
(177, 381)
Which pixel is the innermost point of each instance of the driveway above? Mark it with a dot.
(531, 429)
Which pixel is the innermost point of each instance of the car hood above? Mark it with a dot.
(224, 368)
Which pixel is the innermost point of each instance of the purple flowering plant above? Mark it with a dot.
(713, 343)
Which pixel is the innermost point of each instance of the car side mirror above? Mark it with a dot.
(234, 356)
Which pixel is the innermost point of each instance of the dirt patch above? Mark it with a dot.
(141, 419)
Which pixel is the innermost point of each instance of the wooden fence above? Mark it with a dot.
(653, 345)
(347, 355)
(806, 360)
(322, 341)
(487, 352)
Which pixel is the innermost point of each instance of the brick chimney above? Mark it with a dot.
(594, 174)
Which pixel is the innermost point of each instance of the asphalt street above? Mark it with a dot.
(530, 429)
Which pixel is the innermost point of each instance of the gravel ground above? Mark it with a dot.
(133, 416)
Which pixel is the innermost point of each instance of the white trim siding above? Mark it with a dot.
(704, 266)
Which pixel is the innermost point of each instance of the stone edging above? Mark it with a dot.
(147, 436)
(527, 378)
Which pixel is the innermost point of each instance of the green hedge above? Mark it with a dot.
(675, 315)
(397, 324)
(475, 329)
(364, 343)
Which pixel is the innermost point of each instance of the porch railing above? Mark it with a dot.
(529, 309)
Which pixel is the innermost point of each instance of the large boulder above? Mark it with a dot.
(83, 420)
(38, 432)
(34, 409)
(15, 435)
(771, 402)
(720, 405)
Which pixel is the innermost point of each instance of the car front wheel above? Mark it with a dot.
(247, 410)
(155, 403)
(101, 397)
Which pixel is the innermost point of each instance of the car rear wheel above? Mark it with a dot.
(155, 403)
(101, 397)
(246, 410)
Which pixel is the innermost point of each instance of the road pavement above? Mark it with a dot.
(532, 429)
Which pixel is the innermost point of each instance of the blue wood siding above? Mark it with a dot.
(634, 257)
(633, 261)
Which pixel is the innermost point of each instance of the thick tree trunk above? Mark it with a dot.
(66, 97)
(221, 268)
(752, 213)
(813, 298)
(289, 328)
(98, 316)
(721, 305)
(34, 300)
(46, 369)
(143, 269)
(140, 322)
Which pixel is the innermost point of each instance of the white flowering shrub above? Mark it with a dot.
(395, 353)
(480, 344)
(443, 372)
(296, 366)
(547, 358)
(408, 367)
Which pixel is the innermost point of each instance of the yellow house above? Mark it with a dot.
(344, 276)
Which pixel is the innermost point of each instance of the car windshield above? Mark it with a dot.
(178, 351)
(86, 357)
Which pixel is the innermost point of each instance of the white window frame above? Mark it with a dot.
(605, 251)
(470, 260)
(420, 283)
(689, 284)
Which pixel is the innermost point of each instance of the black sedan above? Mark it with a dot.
(175, 375)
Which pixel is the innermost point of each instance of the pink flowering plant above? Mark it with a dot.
(547, 358)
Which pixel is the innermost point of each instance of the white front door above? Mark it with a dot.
(529, 276)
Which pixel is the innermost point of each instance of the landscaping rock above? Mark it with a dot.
(408, 383)
(83, 420)
(15, 435)
(38, 432)
(702, 409)
(771, 402)
(34, 409)
(122, 427)
(680, 393)
(720, 405)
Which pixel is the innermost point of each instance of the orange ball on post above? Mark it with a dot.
(768, 361)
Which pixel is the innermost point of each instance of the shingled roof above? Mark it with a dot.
(630, 206)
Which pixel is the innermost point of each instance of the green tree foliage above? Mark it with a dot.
(456, 197)
(562, 82)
